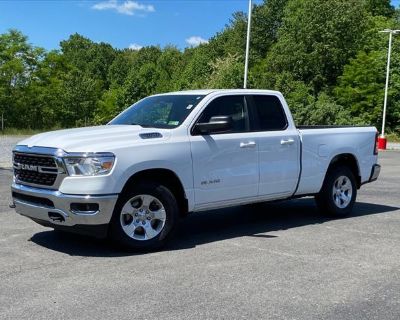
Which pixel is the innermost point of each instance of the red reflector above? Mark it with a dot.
(381, 144)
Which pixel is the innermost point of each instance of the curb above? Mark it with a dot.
(393, 146)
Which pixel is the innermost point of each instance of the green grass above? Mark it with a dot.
(23, 132)
(393, 137)
(20, 132)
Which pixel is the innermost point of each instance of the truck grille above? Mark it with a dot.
(42, 161)
(35, 169)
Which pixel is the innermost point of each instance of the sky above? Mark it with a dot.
(122, 23)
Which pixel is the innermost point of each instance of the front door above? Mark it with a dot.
(225, 165)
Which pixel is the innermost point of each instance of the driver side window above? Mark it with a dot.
(232, 106)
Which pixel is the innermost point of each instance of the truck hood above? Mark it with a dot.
(97, 139)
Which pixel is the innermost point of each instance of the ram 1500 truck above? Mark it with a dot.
(175, 153)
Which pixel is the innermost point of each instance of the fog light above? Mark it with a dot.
(84, 208)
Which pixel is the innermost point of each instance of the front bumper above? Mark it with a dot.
(53, 208)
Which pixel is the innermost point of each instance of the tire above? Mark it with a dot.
(145, 217)
(338, 194)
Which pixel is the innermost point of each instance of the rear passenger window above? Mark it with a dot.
(269, 112)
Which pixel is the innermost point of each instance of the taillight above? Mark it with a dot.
(376, 143)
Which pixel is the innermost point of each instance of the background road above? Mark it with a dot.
(7, 143)
(270, 261)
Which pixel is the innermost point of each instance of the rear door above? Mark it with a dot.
(278, 147)
(225, 165)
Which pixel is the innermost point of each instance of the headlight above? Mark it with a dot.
(90, 165)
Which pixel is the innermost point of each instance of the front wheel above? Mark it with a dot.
(145, 217)
(338, 193)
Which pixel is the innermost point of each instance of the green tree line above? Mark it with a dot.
(326, 56)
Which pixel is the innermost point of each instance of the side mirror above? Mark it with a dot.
(216, 124)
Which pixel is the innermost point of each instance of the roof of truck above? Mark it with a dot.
(208, 91)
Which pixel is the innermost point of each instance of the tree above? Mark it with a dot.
(316, 39)
(231, 40)
(360, 89)
(45, 90)
(18, 61)
(197, 68)
(92, 58)
(107, 107)
(119, 68)
(380, 8)
(324, 111)
(80, 94)
(170, 65)
(266, 21)
(226, 73)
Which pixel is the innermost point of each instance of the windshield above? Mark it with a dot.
(166, 111)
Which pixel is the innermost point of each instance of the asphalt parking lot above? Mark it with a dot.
(7, 143)
(269, 261)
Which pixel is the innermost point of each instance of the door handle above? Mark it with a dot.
(250, 144)
(288, 141)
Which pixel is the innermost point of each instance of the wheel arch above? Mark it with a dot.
(349, 160)
(166, 177)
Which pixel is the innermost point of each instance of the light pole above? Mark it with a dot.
(382, 139)
(246, 62)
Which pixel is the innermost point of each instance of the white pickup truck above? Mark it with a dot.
(175, 153)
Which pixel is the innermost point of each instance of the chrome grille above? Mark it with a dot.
(35, 169)
(43, 161)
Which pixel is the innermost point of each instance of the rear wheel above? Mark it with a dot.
(338, 193)
(145, 217)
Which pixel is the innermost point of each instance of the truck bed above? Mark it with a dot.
(319, 144)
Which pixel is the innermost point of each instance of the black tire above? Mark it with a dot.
(169, 202)
(326, 199)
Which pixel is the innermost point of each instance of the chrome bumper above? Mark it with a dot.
(47, 205)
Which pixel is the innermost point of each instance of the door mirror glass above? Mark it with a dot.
(216, 124)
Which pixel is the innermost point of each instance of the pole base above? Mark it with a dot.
(382, 141)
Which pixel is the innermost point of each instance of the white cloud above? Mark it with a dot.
(127, 7)
(135, 46)
(194, 41)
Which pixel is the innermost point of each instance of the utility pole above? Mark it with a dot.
(382, 138)
(246, 63)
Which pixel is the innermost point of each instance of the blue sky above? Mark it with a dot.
(122, 23)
